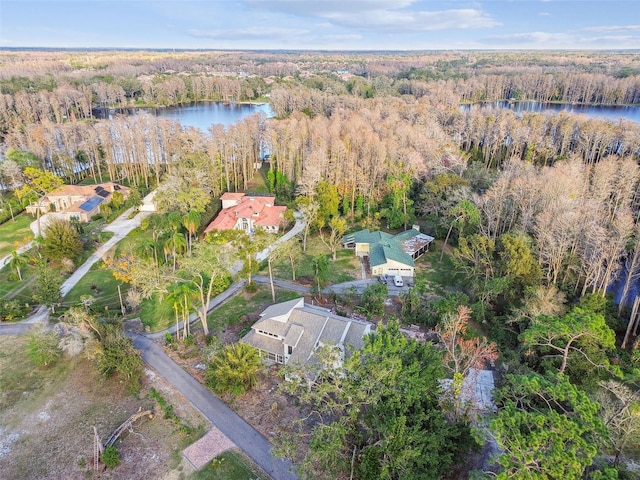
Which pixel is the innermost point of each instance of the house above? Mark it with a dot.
(389, 254)
(293, 331)
(247, 212)
(77, 202)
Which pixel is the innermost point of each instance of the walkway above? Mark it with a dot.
(249, 440)
(120, 227)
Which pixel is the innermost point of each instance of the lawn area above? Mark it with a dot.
(156, 314)
(232, 311)
(230, 465)
(15, 234)
(13, 289)
(344, 269)
(440, 276)
(105, 289)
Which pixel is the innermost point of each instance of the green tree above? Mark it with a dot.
(17, 261)
(463, 214)
(579, 335)
(117, 355)
(48, 285)
(208, 268)
(191, 221)
(234, 369)
(399, 211)
(328, 202)
(373, 298)
(42, 346)
(376, 415)
(37, 184)
(518, 263)
(321, 269)
(61, 240)
(546, 428)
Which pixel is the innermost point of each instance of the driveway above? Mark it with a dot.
(249, 440)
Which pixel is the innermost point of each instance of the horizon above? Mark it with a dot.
(306, 25)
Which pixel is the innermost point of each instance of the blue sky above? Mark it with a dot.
(321, 24)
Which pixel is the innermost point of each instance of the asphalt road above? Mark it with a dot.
(249, 440)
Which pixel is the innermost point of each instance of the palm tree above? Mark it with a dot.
(181, 295)
(191, 221)
(175, 244)
(235, 368)
(17, 261)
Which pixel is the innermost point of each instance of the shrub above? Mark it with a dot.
(110, 457)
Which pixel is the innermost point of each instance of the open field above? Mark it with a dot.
(47, 418)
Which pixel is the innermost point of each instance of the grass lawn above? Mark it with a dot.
(440, 276)
(156, 314)
(13, 289)
(232, 311)
(230, 465)
(15, 234)
(345, 268)
(105, 291)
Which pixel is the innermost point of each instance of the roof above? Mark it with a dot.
(381, 253)
(366, 236)
(85, 190)
(92, 203)
(258, 208)
(384, 246)
(305, 328)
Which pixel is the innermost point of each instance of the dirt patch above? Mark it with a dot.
(47, 433)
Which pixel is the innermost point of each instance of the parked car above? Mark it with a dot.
(397, 281)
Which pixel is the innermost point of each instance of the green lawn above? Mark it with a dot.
(232, 311)
(14, 290)
(156, 314)
(105, 291)
(15, 234)
(342, 270)
(231, 465)
(440, 276)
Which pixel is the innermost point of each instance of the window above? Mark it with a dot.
(289, 349)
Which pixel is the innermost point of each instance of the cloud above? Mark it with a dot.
(612, 28)
(530, 38)
(388, 16)
(572, 40)
(544, 14)
(249, 32)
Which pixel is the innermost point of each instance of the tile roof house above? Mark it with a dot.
(389, 254)
(247, 212)
(293, 331)
(77, 202)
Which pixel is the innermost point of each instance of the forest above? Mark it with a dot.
(539, 213)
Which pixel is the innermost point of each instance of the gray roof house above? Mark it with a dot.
(293, 331)
(389, 254)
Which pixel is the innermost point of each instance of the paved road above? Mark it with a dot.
(120, 227)
(226, 420)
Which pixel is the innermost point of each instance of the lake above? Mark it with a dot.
(199, 115)
(614, 113)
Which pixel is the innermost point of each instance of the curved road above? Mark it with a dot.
(226, 420)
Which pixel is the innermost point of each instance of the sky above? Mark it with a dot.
(321, 24)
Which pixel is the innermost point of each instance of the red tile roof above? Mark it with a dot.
(260, 209)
